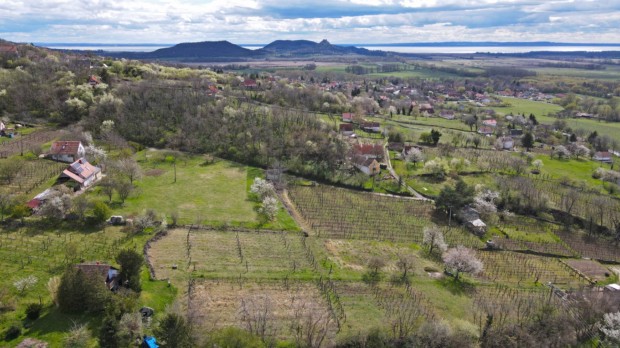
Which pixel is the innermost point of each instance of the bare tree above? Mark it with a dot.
(107, 187)
(462, 259)
(256, 314)
(310, 325)
(6, 201)
(405, 264)
(129, 168)
(433, 238)
(124, 188)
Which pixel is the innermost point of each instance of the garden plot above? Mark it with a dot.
(291, 310)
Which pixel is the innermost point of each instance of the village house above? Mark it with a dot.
(506, 143)
(447, 114)
(471, 219)
(485, 130)
(368, 166)
(108, 274)
(346, 129)
(368, 150)
(249, 83)
(374, 127)
(427, 108)
(82, 172)
(602, 156)
(490, 123)
(347, 117)
(93, 80)
(67, 151)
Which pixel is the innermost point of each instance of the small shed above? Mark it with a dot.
(612, 288)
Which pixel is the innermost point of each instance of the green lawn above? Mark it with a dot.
(524, 106)
(214, 192)
(610, 129)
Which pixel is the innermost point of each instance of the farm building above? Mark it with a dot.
(346, 128)
(471, 219)
(368, 166)
(347, 117)
(612, 288)
(107, 273)
(490, 123)
(82, 172)
(371, 127)
(447, 114)
(602, 156)
(67, 151)
(39, 199)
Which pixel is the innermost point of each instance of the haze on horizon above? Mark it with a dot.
(339, 21)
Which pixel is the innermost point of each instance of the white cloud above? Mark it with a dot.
(340, 21)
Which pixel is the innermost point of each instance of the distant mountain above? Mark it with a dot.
(306, 48)
(224, 50)
(205, 49)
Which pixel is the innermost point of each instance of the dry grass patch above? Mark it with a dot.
(286, 306)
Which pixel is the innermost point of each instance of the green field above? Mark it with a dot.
(527, 107)
(205, 192)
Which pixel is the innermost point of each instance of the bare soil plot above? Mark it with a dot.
(288, 308)
(591, 269)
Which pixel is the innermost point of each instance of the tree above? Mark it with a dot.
(462, 259)
(262, 188)
(107, 187)
(581, 151)
(476, 141)
(405, 264)
(561, 152)
(131, 263)
(538, 164)
(10, 168)
(108, 333)
(373, 274)
(26, 283)
(433, 238)
(435, 135)
(81, 204)
(454, 198)
(78, 337)
(129, 168)
(124, 188)
(611, 326)
(101, 212)
(426, 138)
(130, 327)
(527, 141)
(414, 155)
(6, 202)
(81, 292)
(471, 121)
(174, 332)
(269, 208)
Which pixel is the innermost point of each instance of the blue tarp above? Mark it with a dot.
(150, 342)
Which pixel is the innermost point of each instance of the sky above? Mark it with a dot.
(338, 21)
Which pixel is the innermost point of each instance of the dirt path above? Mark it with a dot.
(415, 193)
(293, 211)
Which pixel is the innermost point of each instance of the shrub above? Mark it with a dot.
(12, 332)
(33, 311)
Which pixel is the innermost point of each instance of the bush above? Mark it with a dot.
(12, 332)
(33, 311)
(101, 212)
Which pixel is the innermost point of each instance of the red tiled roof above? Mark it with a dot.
(65, 148)
(368, 149)
(347, 116)
(80, 170)
(346, 127)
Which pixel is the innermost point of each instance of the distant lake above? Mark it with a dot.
(399, 49)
